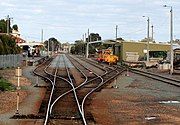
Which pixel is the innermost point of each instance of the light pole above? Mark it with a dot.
(171, 37)
(148, 21)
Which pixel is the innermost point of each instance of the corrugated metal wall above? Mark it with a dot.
(139, 47)
(10, 60)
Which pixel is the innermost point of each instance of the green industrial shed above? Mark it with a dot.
(138, 50)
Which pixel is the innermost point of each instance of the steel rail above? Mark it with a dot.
(52, 82)
(49, 109)
(52, 91)
(100, 66)
(94, 89)
(158, 77)
(73, 89)
(84, 83)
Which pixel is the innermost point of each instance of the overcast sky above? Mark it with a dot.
(68, 20)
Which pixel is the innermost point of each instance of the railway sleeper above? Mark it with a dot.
(29, 116)
(41, 86)
(88, 116)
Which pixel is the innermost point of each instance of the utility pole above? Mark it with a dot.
(87, 48)
(8, 19)
(148, 40)
(48, 49)
(85, 37)
(52, 47)
(8, 24)
(88, 36)
(42, 35)
(84, 44)
(116, 31)
(152, 27)
(171, 38)
(148, 21)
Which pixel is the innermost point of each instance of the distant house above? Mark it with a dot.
(17, 37)
(65, 47)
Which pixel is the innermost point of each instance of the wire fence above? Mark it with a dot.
(10, 60)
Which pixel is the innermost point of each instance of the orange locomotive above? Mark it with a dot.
(107, 56)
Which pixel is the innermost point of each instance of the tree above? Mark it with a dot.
(3, 26)
(8, 45)
(15, 27)
(72, 49)
(121, 39)
(54, 44)
(93, 37)
(79, 47)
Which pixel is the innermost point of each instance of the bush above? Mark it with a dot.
(8, 45)
(5, 85)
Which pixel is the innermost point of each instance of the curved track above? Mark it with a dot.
(68, 99)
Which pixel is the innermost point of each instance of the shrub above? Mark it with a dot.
(5, 85)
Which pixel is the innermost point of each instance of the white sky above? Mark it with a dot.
(68, 20)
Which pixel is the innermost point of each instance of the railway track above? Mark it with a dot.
(66, 101)
(168, 80)
(63, 107)
(94, 84)
(85, 89)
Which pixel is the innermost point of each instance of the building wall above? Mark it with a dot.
(140, 47)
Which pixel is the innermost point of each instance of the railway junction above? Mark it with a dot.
(68, 89)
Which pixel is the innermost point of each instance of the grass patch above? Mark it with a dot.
(5, 85)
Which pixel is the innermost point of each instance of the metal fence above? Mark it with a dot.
(10, 60)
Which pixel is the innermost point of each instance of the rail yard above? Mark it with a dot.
(112, 62)
(75, 90)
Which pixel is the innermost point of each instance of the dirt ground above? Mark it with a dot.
(30, 98)
(9, 98)
(136, 101)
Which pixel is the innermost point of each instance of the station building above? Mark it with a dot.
(33, 48)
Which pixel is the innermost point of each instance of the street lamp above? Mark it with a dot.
(171, 36)
(148, 21)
